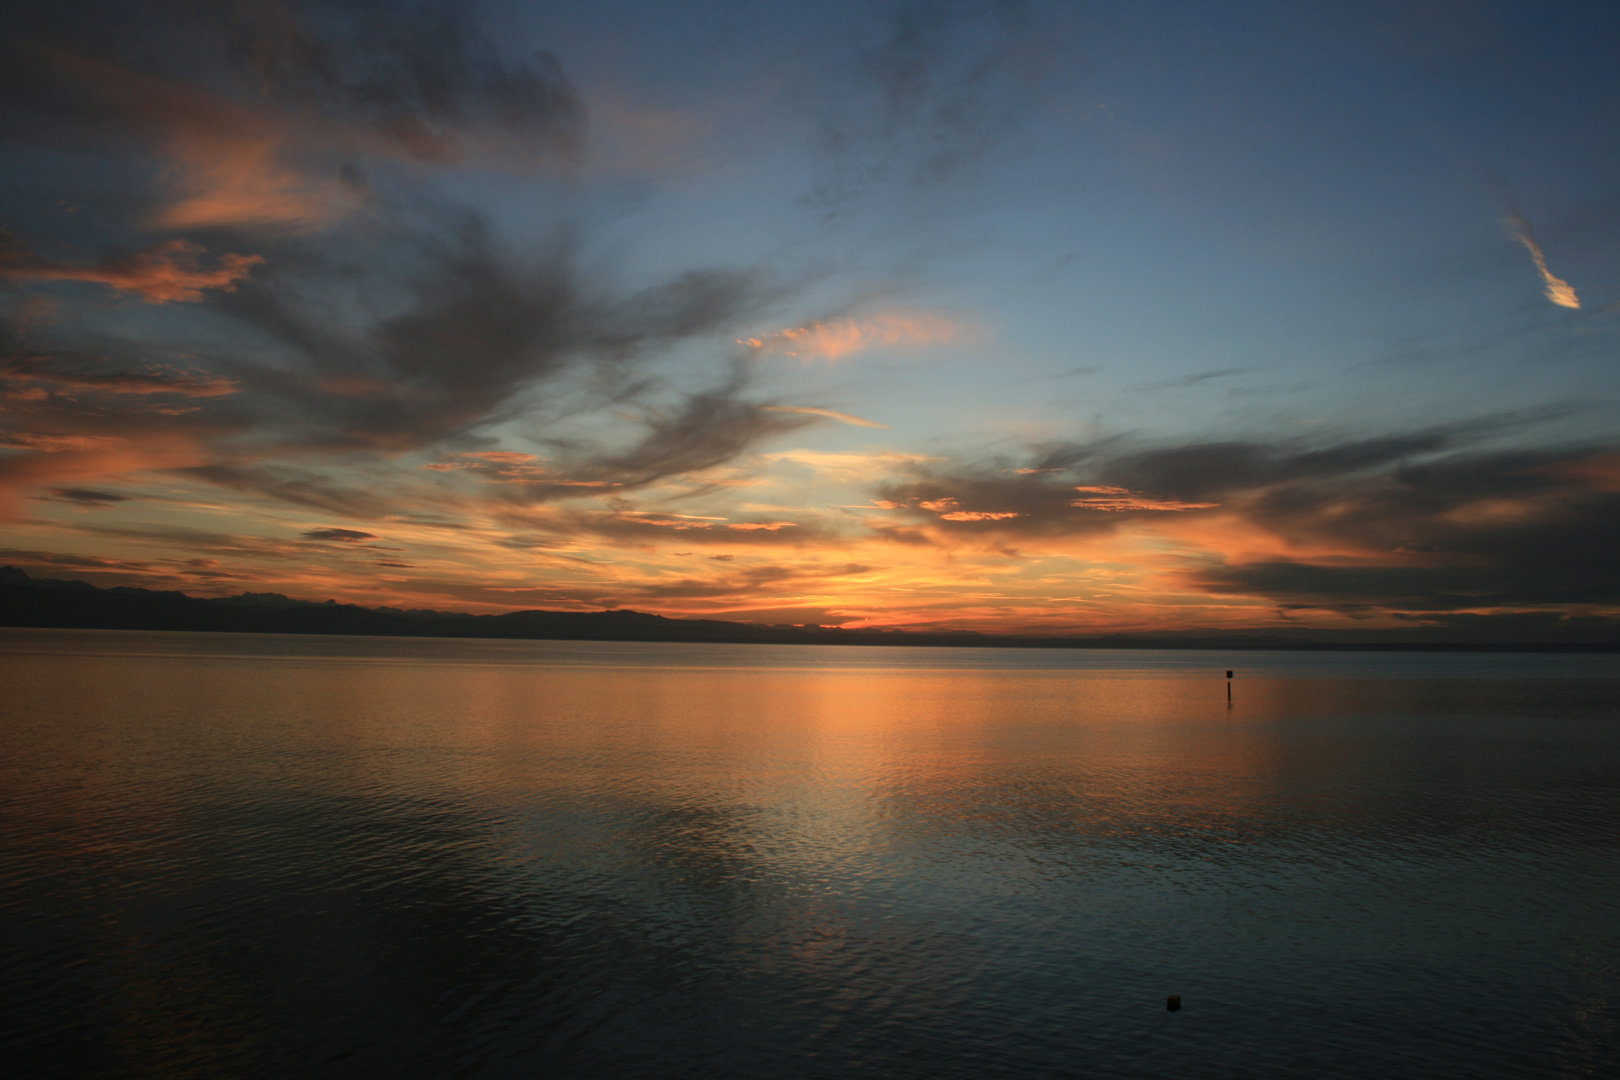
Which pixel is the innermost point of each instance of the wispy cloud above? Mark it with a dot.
(936, 92)
(1197, 377)
(88, 497)
(1559, 291)
(831, 414)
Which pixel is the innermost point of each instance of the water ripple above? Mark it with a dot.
(270, 857)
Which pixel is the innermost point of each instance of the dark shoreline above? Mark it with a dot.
(36, 603)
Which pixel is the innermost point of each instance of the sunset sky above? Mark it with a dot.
(1057, 317)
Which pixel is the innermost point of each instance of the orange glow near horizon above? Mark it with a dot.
(117, 513)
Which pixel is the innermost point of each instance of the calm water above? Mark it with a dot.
(266, 856)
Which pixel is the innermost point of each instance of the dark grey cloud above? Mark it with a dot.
(88, 496)
(1215, 469)
(708, 429)
(481, 335)
(345, 536)
(344, 343)
(1512, 529)
(420, 80)
(473, 329)
(1429, 521)
(419, 75)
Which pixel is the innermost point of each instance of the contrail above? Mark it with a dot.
(1559, 291)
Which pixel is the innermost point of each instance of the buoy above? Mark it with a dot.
(1173, 1002)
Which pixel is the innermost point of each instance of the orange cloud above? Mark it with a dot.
(57, 461)
(837, 338)
(950, 510)
(1118, 500)
(768, 526)
(1559, 291)
(170, 271)
(668, 522)
(228, 164)
(236, 179)
(979, 515)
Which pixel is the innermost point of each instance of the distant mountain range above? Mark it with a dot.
(27, 601)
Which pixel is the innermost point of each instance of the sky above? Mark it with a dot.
(1064, 318)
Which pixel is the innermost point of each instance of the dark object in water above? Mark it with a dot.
(1173, 1003)
(1228, 674)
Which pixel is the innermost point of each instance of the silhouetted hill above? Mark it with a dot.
(55, 603)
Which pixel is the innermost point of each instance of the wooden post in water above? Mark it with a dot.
(1229, 688)
(1173, 1002)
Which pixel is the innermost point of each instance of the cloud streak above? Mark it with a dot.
(831, 414)
(932, 93)
(1559, 291)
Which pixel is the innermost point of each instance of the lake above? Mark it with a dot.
(276, 856)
